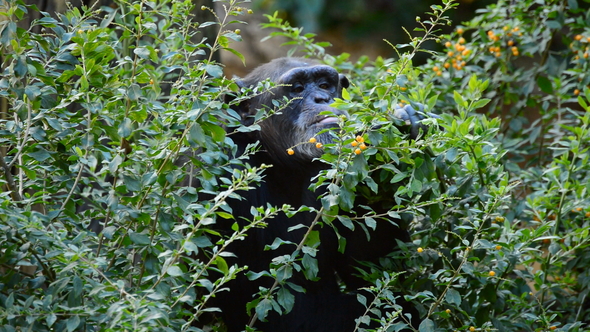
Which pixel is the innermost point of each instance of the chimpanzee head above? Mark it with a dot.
(311, 88)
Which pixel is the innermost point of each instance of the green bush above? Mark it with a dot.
(111, 112)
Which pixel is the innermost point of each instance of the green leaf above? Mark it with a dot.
(174, 271)
(221, 264)
(345, 94)
(453, 297)
(214, 70)
(427, 325)
(286, 299)
(459, 99)
(139, 238)
(142, 52)
(73, 323)
(217, 132)
(545, 84)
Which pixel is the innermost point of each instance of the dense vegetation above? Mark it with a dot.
(98, 107)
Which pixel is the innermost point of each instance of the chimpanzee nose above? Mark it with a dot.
(321, 98)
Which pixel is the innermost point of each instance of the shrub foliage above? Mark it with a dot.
(113, 119)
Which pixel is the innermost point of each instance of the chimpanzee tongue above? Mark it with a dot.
(329, 119)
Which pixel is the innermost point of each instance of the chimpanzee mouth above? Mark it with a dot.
(327, 120)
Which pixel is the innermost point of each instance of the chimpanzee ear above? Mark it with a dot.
(344, 83)
(243, 107)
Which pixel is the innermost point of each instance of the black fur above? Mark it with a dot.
(323, 307)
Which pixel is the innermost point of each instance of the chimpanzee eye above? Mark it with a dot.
(324, 86)
(298, 88)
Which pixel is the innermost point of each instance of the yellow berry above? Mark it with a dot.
(492, 273)
(80, 31)
(357, 151)
(312, 140)
(448, 311)
(151, 81)
(250, 11)
(472, 329)
(238, 31)
(318, 145)
(360, 139)
(420, 249)
(203, 8)
(498, 247)
(500, 219)
(290, 152)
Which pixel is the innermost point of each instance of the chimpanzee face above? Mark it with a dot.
(311, 88)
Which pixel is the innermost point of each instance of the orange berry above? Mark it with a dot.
(460, 31)
(587, 215)
(552, 327)
(151, 81)
(515, 53)
(511, 42)
(546, 241)
(514, 48)
(515, 29)
(420, 249)
(578, 209)
(450, 53)
(312, 140)
(586, 55)
(439, 73)
(354, 143)
(435, 68)
(498, 247)
(290, 152)
(492, 49)
(359, 139)
(318, 145)
(447, 65)
(498, 54)
(466, 52)
(403, 88)
(578, 37)
(461, 40)
(492, 273)
(357, 151)
(490, 33)
(448, 44)
(362, 146)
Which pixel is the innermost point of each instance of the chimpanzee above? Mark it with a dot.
(324, 306)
